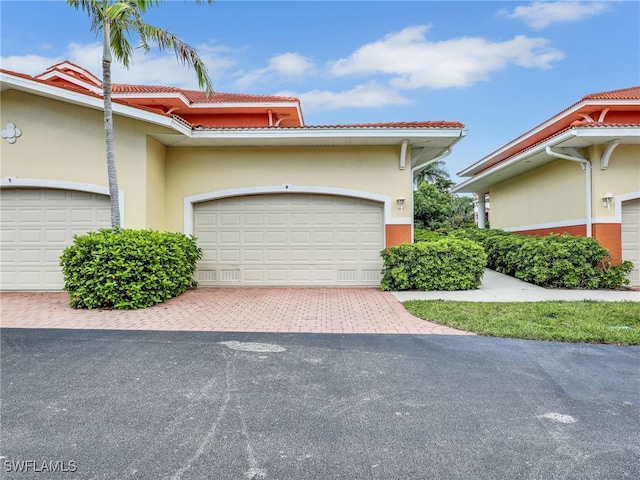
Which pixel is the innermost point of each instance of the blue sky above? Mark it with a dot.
(501, 68)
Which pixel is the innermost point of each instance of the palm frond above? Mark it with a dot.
(185, 54)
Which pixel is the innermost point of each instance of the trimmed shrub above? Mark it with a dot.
(555, 261)
(128, 269)
(446, 264)
(423, 235)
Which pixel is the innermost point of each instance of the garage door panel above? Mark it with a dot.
(276, 255)
(228, 237)
(31, 215)
(230, 255)
(37, 225)
(82, 216)
(300, 237)
(253, 237)
(290, 239)
(277, 219)
(56, 215)
(276, 238)
(253, 219)
(230, 219)
(31, 235)
(304, 255)
(32, 256)
(253, 256)
(631, 238)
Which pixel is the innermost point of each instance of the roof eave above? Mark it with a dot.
(481, 164)
(590, 135)
(77, 98)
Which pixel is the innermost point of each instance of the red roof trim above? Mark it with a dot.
(511, 149)
(572, 127)
(124, 94)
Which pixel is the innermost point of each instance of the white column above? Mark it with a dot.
(481, 210)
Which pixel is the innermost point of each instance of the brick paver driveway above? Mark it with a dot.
(299, 310)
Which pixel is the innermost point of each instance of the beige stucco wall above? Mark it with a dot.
(551, 193)
(194, 171)
(65, 142)
(622, 176)
(556, 192)
(156, 183)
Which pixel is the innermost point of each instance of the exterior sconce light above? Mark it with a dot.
(400, 202)
(606, 200)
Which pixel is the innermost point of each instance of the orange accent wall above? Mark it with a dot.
(397, 234)
(608, 234)
(577, 230)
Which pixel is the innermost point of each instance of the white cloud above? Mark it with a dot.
(414, 62)
(152, 68)
(370, 95)
(287, 66)
(29, 64)
(543, 14)
(290, 64)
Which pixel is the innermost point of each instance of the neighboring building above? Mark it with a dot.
(578, 172)
(271, 200)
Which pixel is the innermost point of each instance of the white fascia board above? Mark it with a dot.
(603, 103)
(618, 132)
(178, 95)
(97, 103)
(76, 81)
(79, 70)
(311, 132)
(265, 105)
(245, 104)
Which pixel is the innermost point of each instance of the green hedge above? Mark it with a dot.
(446, 264)
(556, 261)
(127, 269)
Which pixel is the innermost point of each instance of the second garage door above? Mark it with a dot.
(37, 224)
(631, 238)
(289, 239)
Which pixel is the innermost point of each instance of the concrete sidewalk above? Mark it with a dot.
(497, 287)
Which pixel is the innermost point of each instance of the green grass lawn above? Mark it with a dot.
(586, 322)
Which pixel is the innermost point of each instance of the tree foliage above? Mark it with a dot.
(117, 21)
(431, 207)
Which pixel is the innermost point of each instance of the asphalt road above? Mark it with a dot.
(181, 405)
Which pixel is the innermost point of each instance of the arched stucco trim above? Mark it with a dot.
(17, 182)
(289, 188)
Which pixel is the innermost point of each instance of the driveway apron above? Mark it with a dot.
(291, 310)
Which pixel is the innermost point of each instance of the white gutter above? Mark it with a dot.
(586, 166)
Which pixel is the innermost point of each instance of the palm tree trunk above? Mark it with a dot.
(108, 129)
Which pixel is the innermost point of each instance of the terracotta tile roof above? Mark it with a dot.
(424, 124)
(632, 93)
(196, 96)
(354, 126)
(586, 123)
(578, 124)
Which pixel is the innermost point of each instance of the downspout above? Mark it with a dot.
(586, 166)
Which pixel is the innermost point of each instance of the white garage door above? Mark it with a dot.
(631, 238)
(290, 239)
(37, 225)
